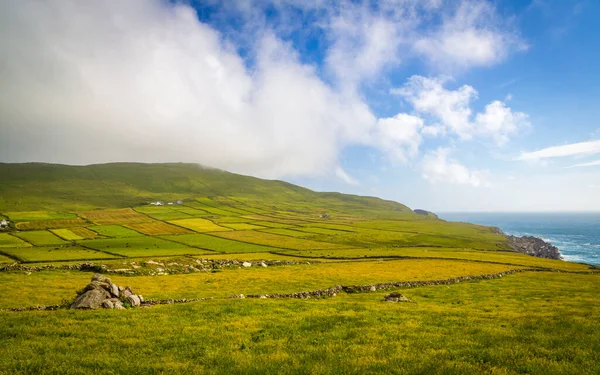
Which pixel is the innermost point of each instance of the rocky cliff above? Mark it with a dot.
(534, 246)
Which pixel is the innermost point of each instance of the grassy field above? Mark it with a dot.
(544, 320)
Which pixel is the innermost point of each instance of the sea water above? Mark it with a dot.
(577, 235)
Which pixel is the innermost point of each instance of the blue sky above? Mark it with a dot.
(466, 105)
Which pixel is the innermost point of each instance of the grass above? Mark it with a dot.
(49, 254)
(72, 234)
(287, 232)
(219, 244)
(121, 216)
(275, 240)
(40, 238)
(241, 226)
(38, 215)
(141, 247)
(6, 240)
(199, 225)
(511, 325)
(49, 224)
(157, 228)
(5, 259)
(114, 231)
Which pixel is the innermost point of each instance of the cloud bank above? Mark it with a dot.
(99, 81)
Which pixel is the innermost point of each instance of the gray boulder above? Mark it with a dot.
(92, 299)
(247, 264)
(126, 292)
(395, 297)
(108, 304)
(101, 278)
(134, 300)
(118, 305)
(114, 290)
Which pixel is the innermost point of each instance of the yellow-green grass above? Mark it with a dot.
(288, 232)
(318, 230)
(38, 215)
(199, 225)
(49, 254)
(446, 253)
(506, 326)
(272, 224)
(118, 216)
(72, 234)
(254, 280)
(192, 211)
(40, 237)
(217, 211)
(50, 224)
(157, 228)
(254, 257)
(5, 259)
(275, 240)
(241, 226)
(162, 212)
(6, 240)
(275, 219)
(117, 231)
(144, 246)
(220, 244)
(230, 219)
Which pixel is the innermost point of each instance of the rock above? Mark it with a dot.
(108, 304)
(97, 285)
(395, 297)
(114, 290)
(373, 288)
(247, 264)
(126, 292)
(134, 300)
(118, 305)
(534, 246)
(141, 298)
(262, 264)
(101, 278)
(92, 299)
(263, 297)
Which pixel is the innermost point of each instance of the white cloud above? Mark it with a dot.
(574, 149)
(590, 164)
(471, 36)
(439, 167)
(344, 176)
(452, 108)
(500, 122)
(100, 81)
(399, 136)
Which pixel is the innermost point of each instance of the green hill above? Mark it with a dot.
(35, 186)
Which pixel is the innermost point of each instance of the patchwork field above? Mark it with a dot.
(121, 216)
(475, 305)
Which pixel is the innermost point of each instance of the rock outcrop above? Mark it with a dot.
(424, 212)
(395, 297)
(534, 246)
(102, 293)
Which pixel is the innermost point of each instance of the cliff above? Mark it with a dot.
(534, 246)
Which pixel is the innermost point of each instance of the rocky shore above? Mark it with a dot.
(534, 246)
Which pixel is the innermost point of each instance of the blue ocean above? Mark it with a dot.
(577, 235)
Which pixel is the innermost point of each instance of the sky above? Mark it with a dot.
(457, 105)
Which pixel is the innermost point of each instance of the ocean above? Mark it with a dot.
(577, 235)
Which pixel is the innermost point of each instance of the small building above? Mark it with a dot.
(157, 203)
(3, 224)
(170, 203)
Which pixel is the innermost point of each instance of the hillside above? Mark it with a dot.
(35, 186)
(243, 275)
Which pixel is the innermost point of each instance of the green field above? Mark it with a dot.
(50, 254)
(140, 247)
(40, 238)
(543, 319)
(6, 240)
(219, 244)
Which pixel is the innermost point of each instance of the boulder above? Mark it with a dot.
(247, 264)
(141, 298)
(126, 292)
(262, 264)
(114, 290)
(108, 304)
(134, 300)
(118, 305)
(97, 285)
(373, 288)
(395, 297)
(92, 299)
(101, 278)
